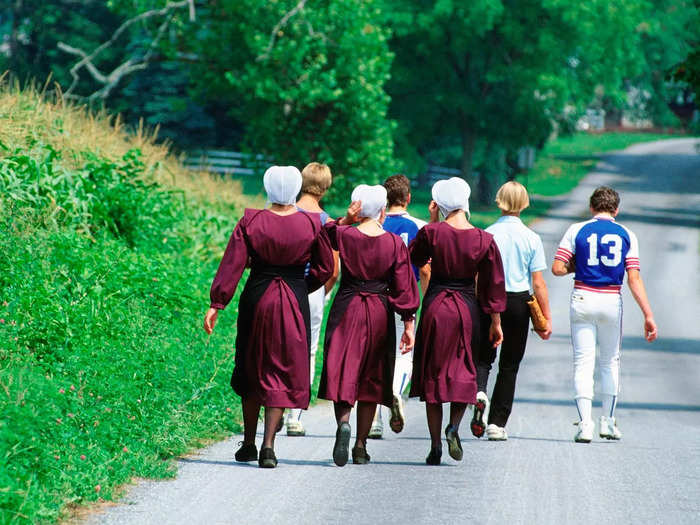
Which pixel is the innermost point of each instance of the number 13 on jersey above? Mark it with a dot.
(611, 242)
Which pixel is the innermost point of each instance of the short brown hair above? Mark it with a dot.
(316, 178)
(398, 188)
(512, 197)
(605, 199)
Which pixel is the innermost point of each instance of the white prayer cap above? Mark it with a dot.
(373, 199)
(282, 184)
(451, 194)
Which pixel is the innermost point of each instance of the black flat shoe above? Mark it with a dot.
(434, 456)
(267, 458)
(454, 445)
(360, 456)
(342, 444)
(247, 452)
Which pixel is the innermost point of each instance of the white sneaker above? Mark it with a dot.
(496, 433)
(478, 425)
(608, 428)
(585, 431)
(376, 430)
(295, 428)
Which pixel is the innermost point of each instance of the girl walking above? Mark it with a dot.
(272, 341)
(443, 365)
(376, 280)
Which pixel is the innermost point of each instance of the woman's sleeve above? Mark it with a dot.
(331, 228)
(403, 294)
(492, 284)
(322, 262)
(230, 269)
(420, 249)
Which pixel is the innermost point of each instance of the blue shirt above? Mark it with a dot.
(405, 226)
(602, 250)
(521, 250)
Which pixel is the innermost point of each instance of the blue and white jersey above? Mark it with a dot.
(405, 226)
(602, 250)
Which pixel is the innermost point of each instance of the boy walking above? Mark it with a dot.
(598, 252)
(399, 222)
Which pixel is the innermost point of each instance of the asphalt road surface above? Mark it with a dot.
(539, 475)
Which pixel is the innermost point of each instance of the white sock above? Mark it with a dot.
(609, 403)
(584, 407)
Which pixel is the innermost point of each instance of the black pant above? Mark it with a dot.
(515, 322)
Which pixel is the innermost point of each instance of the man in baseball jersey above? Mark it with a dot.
(399, 222)
(598, 252)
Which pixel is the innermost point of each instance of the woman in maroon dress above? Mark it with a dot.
(376, 281)
(443, 367)
(272, 341)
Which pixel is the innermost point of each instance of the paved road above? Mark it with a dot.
(539, 475)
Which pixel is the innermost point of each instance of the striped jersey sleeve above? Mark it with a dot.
(567, 245)
(632, 256)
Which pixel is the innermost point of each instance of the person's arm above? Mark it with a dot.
(330, 283)
(634, 280)
(424, 273)
(560, 268)
(542, 296)
(564, 259)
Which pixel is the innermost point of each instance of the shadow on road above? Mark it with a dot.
(626, 405)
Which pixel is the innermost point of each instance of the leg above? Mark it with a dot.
(515, 321)
(609, 335)
(273, 415)
(365, 414)
(484, 354)
(434, 413)
(342, 412)
(342, 434)
(583, 339)
(456, 414)
(251, 411)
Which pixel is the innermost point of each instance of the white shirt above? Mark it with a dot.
(521, 250)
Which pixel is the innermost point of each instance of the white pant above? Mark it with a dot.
(404, 362)
(317, 302)
(596, 317)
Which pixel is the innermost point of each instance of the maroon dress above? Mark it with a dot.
(376, 281)
(443, 367)
(290, 256)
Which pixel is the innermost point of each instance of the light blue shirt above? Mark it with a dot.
(521, 250)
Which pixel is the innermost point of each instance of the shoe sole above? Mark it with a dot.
(398, 419)
(374, 436)
(297, 433)
(582, 440)
(499, 438)
(268, 463)
(342, 445)
(477, 426)
(453, 448)
(610, 437)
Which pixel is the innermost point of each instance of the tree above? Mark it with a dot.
(498, 72)
(305, 81)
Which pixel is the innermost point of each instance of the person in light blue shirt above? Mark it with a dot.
(523, 262)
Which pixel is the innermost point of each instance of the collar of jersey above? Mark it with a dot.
(604, 218)
(396, 213)
(509, 218)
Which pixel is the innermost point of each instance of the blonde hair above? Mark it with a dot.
(316, 178)
(512, 197)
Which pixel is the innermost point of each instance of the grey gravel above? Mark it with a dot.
(539, 475)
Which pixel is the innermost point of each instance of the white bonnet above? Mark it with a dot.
(451, 194)
(282, 184)
(373, 199)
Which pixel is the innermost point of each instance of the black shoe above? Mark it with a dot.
(360, 456)
(454, 445)
(267, 458)
(478, 425)
(247, 452)
(342, 444)
(434, 456)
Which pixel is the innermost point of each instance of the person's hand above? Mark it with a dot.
(434, 211)
(495, 334)
(545, 334)
(571, 265)
(650, 331)
(210, 320)
(407, 338)
(353, 214)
